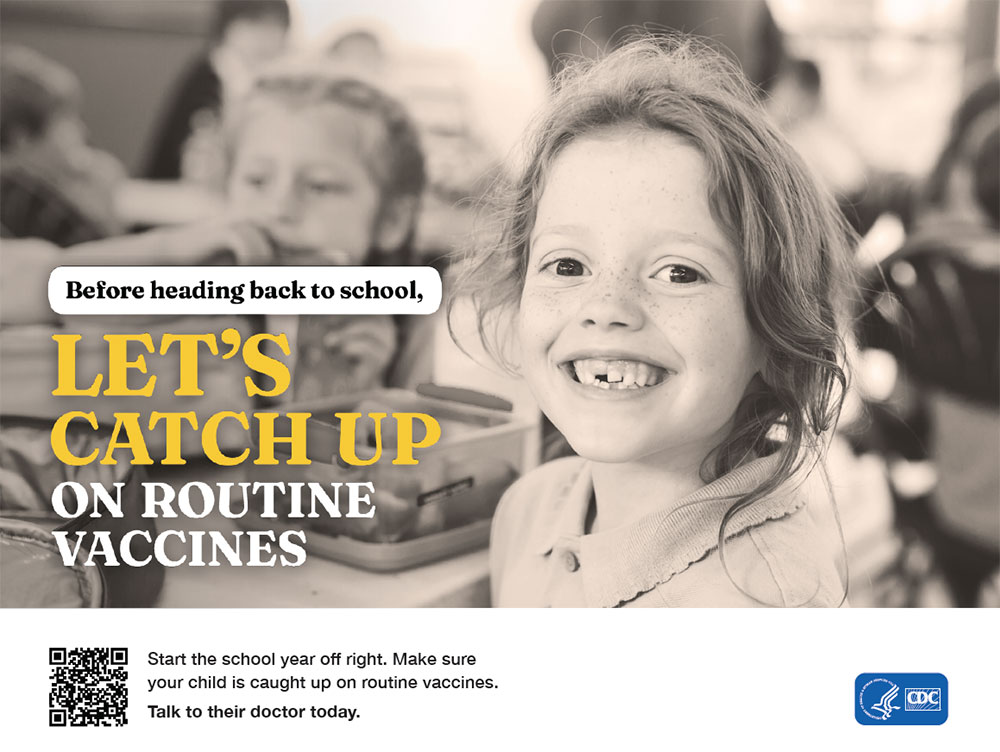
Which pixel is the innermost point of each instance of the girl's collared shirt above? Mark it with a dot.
(780, 550)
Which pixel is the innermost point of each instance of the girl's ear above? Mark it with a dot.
(396, 221)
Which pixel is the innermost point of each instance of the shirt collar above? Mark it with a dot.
(620, 563)
(567, 515)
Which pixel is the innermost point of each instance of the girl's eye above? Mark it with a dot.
(565, 267)
(679, 274)
(326, 187)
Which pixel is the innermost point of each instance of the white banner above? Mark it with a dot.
(482, 679)
(175, 290)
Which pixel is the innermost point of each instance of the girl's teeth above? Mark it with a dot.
(617, 374)
(629, 372)
(584, 373)
(641, 374)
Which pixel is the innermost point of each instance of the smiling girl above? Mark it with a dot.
(675, 280)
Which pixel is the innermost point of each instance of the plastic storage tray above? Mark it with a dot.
(438, 508)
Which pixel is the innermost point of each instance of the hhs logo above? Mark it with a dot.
(901, 699)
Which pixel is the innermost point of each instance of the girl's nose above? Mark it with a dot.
(285, 202)
(612, 305)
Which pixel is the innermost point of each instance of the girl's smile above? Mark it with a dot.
(632, 326)
(614, 372)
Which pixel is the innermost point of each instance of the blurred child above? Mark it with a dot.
(796, 102)
(331, 169)
(324, 169)
(245, 35)
(674, 280)
(55, 187)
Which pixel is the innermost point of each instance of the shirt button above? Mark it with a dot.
(570, 561)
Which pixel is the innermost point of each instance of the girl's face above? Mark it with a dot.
(300, 173)
(632, 327)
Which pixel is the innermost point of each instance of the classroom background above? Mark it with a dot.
(895, 104)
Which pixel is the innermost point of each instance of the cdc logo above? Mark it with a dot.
(923, 699)
(901, 699)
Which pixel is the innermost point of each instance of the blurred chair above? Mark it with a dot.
(940, 314)
(937, 310)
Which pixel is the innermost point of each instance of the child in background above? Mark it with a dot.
(55, 187)
(331, 169)
(796, 102)
(675, 280)
(246, 34)
(325, 169)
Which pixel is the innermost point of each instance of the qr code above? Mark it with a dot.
(88, 686)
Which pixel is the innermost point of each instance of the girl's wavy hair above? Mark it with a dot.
(795, 243)
(395, 159)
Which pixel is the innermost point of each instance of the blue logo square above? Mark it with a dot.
(895, 699)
